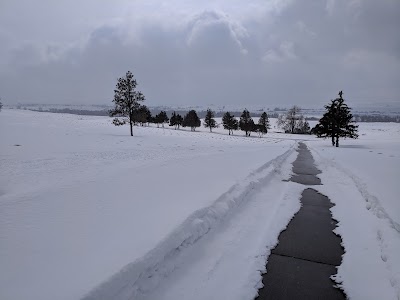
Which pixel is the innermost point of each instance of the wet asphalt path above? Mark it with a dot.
(308, 251)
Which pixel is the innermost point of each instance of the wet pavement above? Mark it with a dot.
(308, 251)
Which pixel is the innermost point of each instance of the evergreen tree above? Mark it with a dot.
(336, 122)
(229, 122)
(142, 115)
(191, 120)
(175, 120)
(126, 100)
(172, 120)
(149, 117)
(161, 118)
(178, 121)
(1, 104)
(246, 123)
(209, 121)
(263, 124)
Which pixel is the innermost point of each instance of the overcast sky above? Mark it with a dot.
(201, 52)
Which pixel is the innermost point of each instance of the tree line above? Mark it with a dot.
(129, 110)
(337, 122)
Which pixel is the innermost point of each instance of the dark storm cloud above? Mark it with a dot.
(287, 52)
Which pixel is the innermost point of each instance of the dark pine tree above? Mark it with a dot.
(161, 118)
(142, 115)
(336, 122)
(126, 101)
(246, 123)
(209, 121)
(191, 120)
(178, 121)
(172, 120)
(149, 117)
(229, 122)
(175, 120)
(263, 124)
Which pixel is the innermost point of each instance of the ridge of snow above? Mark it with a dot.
(144, 274)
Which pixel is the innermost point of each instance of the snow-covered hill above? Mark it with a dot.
(87, 210)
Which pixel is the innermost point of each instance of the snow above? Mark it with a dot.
(227, 236)
(361, 178)
(86, 211)
(373, 161)
(81, 199)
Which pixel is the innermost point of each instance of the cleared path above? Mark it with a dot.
(308, 251)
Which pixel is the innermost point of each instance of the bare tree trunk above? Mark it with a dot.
(130, 124)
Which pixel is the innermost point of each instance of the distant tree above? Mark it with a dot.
(191, 120)
(292, 121)
(336, 122)
(178, 121)
(156, 120)
(263, 124)
(1, 104)
(149, 117)
(126, 101)
(142, 115)
(161, 118)
(229, 122)
(302, 126)
(246, 123)
(172, 120)
(209, 121)
(175, 120)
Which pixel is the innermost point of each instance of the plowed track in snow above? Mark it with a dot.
(193, 262)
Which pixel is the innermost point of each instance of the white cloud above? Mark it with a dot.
(303, 28)
(208, 23)
(195, 51)
(330, 7)
(283, 53)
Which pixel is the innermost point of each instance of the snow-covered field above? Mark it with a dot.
(362, 179)
(88, 211)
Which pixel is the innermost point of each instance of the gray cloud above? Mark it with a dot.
(276, 52)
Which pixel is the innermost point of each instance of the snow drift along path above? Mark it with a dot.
(370, 267)
(218, 252)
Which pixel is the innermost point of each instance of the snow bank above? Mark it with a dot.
(144, 275)
(361, 179)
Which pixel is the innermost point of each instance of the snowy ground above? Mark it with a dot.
(86, 210)
(362, 179)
